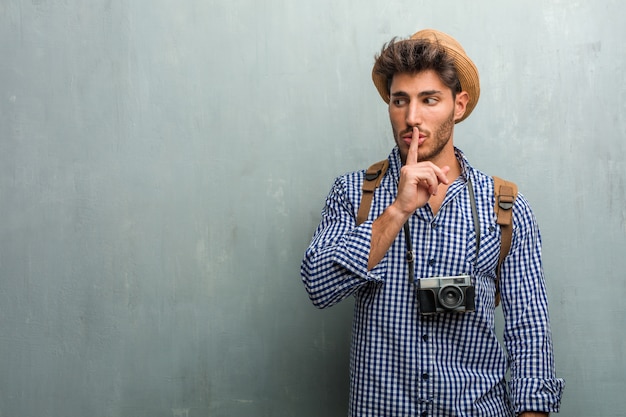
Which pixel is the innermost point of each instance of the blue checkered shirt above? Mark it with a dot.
(449, 364)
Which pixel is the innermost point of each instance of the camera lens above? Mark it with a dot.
(450, 297)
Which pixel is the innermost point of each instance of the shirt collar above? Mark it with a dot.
(466, 168)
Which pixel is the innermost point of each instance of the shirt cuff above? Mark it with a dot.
(536, 394)
(355, 255)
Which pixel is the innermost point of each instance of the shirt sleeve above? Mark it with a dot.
(335, 263)
(527, 335)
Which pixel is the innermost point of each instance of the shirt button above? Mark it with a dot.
(424, 413)
(425, 377)
(434, 225)
(431, 262)
(425, 338)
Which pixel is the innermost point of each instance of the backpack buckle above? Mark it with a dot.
(505, 202)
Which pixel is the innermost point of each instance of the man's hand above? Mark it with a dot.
(418, 182)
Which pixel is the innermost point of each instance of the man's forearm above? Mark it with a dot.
(385, 229)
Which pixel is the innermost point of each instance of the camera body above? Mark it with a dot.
(446, 294)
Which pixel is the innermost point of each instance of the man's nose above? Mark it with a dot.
(413, 115)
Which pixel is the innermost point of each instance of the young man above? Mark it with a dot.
(432, 230)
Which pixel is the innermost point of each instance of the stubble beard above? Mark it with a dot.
(438, 140)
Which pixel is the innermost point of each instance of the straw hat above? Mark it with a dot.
(466, 70)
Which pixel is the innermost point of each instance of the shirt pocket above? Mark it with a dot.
(488, 250)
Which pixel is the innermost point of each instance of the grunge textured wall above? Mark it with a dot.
(163, 165)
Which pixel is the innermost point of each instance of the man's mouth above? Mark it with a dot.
(408, 138)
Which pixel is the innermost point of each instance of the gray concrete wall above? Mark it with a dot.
(163, 165)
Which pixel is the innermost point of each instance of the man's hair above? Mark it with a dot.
(416, 55)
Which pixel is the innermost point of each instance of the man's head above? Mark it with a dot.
(428, 50)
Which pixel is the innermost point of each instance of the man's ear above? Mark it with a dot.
(460, 104)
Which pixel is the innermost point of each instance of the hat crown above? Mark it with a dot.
(443, 39)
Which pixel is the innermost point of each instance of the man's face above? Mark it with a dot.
(421, 100)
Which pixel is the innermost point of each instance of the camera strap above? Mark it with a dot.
(470, 189)
(410, 255)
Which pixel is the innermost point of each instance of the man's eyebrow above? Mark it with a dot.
(429, 93)
(420, 94)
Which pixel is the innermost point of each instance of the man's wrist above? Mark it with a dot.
(396, 213)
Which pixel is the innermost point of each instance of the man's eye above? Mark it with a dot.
(430, 100)
(399, 102)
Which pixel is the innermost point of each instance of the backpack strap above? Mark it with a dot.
(373, 176)
(505, 193)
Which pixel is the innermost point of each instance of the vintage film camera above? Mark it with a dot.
(446, 294)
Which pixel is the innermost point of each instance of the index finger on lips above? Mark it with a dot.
(412, 155)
